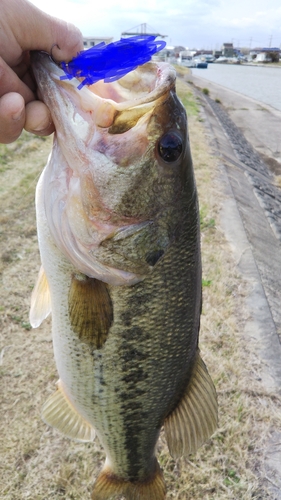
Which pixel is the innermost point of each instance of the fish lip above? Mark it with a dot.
(165, 79)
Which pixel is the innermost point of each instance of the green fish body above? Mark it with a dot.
(118, 230)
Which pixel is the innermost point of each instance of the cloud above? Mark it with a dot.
(186, 22)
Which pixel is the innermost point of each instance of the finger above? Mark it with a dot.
(68, 42)
(38, 119)
(12, 117)
(24, 27)
(21, 68)
(9, 82)
(39, 31)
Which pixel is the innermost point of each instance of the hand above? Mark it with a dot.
(23, 27)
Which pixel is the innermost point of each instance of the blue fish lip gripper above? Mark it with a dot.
(109, 62)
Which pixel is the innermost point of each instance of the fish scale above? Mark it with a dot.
(169, 330)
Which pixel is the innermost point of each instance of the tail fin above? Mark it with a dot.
(109, 487)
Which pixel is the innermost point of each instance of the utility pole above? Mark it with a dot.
(270, 40)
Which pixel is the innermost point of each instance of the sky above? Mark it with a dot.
(200, 24)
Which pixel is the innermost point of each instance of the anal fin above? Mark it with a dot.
(40, 300)
(59, 412)
(195, 418)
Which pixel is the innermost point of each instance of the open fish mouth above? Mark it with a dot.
(98, 182)
(117, 104)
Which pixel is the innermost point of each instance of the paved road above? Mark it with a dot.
(246, 136)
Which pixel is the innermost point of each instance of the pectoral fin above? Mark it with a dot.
(194, 420)
(90, 310)
(40, 300)
(60, 413)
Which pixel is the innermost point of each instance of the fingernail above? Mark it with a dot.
(18, 115)
(42, 127)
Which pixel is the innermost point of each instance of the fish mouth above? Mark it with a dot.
(117, 105)
(104, 148)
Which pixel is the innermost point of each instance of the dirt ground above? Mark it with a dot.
(36, 462)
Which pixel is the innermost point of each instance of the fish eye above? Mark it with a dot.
(170, 147)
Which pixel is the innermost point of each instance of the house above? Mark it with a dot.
(203, 51)
(217, 53)
(263, 57)
(265, 54)
(227, 50)
(91, 41)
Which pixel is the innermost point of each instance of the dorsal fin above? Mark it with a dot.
(40, 306)
(90, 310)
(195, 418)
(59, 412)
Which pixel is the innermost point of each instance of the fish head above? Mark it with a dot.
(119, 179)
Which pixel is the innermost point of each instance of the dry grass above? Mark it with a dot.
(35, 461)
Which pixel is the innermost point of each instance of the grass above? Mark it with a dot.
(182, 71)
(186, 96)
(36, 462)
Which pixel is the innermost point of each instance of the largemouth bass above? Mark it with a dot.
(118, 231)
